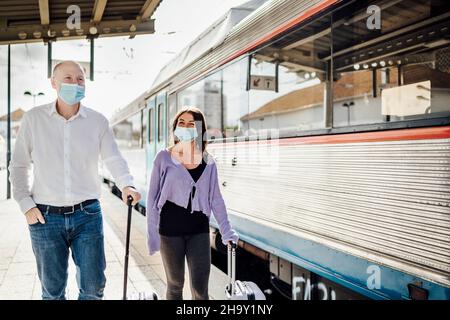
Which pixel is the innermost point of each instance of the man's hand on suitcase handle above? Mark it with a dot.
(130, 192)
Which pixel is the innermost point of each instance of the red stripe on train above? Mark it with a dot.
(378, 136)
(286, 26)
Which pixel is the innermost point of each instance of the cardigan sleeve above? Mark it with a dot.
(219, 209)
(152, 213)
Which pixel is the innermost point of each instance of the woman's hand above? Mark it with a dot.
(231, 243)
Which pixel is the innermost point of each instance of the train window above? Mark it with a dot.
(144, 128)
(206, 95)
(122, 133)
(151, 131)
(212, 108)
(296, 101)
(392, 65)
(235, 98)
(160, 122)
(128, 133)
(192, 95)
(172, 107)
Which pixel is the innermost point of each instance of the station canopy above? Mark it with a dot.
(23, 21)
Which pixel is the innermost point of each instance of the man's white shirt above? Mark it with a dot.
(65, 156)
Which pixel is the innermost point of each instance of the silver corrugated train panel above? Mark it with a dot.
(388, 200)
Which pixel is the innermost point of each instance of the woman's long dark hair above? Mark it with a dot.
(197, 114)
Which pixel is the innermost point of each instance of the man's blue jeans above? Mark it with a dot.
(82, 233)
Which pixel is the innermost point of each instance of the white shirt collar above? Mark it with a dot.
(81, 111)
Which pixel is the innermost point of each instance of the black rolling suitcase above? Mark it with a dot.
(136, 295)
(240, 290)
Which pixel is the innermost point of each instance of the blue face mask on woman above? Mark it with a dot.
(185, 134)
(71, 93)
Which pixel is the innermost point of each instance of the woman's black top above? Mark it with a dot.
(177, 221)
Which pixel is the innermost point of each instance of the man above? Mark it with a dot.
(63, 140)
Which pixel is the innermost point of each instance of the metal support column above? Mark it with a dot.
(91, 76)
(328, 94)
(49, 59)
(8, 152)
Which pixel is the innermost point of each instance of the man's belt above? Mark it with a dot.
(64, 210)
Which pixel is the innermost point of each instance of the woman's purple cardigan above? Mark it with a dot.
(171, 181)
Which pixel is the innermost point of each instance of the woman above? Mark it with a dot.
(183, 191)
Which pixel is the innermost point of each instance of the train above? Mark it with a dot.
(329, 122)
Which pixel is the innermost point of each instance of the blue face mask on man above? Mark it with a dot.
(185, 134)
(71, 93)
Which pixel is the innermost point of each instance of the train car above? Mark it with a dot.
(329, 121)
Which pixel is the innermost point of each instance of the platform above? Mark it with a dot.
(18, 274)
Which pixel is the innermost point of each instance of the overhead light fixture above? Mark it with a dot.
(382, 63)
(51, 33)
(93, 30)
(22, 35)
(133, 28)
(356, 67)
(390, 62)
(65, 32)
(313, 74)
(374, 64)
(37, 34)
(366, 66)
(106, 30)
(79, 32)
(307, 75)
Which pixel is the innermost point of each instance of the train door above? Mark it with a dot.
(156, 128)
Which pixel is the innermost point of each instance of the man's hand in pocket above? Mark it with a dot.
(34, 215)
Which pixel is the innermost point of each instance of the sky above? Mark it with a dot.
(124, 68)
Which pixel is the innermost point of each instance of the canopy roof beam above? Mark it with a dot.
(44, 12)
(147, 10)
(99, 9)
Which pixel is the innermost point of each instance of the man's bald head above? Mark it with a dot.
(63, 65)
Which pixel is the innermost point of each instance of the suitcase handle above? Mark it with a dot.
(231, 266)
(127, 247)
